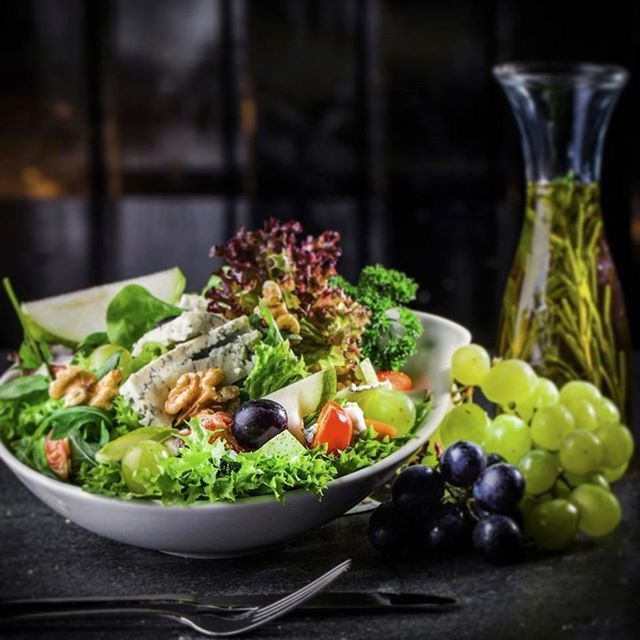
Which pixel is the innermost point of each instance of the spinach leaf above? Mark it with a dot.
(133, 312)
(66, 421)
(23, 387)
(110, 363)
(92, 341)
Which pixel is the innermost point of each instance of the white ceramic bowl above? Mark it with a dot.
(251, 524)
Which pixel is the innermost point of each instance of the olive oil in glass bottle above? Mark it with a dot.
(563, 309)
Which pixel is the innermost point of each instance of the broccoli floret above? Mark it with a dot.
(391, 334)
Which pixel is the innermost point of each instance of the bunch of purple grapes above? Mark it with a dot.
(469, 499)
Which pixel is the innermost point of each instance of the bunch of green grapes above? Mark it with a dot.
(568, 443)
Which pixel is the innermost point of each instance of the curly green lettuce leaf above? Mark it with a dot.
(207, 471)
(276, 365)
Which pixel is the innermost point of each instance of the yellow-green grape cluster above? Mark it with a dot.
(568, 443)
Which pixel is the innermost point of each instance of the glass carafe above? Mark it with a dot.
(563, 309)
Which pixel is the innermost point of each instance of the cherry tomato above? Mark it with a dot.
(335, 428)
(57, 453)
(382, 428)
(399, 381)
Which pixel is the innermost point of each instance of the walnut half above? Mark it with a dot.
(194, 392)
(79, 387)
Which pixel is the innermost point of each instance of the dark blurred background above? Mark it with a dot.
(134, 134)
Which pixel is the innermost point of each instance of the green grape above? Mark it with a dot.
(100, 355)
(430, 459)
(509, 437)
(550, 425)
(615, 474)
(597, 479)
(142, 456)
(553, 524)
(391, 407)
(584, 415)
(470, 364)
(580, 390)
(562, 489)
(527, 504)
(509, 381)
(617, 443)
(606, 412)
(599, 510)
(540, 470)
(465, 422)
(544, 394)
(581, 452)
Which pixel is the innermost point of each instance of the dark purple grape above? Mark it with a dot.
(388, 531)
(462, 463)
(499, 488)
(494, 458)
(480, 512)
(417, 487)
(446, 528)
(498, 538)
(257, 421)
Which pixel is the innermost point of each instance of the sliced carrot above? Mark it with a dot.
(382, 428)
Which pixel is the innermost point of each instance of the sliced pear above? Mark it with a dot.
(366, 373)
(71, 317)
(306, 396)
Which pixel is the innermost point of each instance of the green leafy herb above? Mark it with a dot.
(110, 364)
(34, 351)
(391, 334)
(84, 444)
(213, 282)
(125, 420)
(276, 365)
(91, 342)
(67, 420)
(133, 312)
(204, 471)
(24, 387)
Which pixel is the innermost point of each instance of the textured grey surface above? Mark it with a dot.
(590, 590)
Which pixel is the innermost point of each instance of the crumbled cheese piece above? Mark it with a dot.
(309, 433)
(374, 385)
(353, 410)
(192, 302)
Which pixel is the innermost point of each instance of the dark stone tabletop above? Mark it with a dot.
(589, 591)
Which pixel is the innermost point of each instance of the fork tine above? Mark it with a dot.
(294, 599)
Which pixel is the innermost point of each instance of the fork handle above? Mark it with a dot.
(87, 613)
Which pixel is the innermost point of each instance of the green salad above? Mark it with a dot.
(279, 375)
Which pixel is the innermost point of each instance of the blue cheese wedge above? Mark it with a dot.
(186, 326)
(226, 347)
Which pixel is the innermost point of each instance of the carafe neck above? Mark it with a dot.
(562, 113)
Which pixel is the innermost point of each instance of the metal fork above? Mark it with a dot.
(204, 624)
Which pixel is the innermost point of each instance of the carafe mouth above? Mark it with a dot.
(582, 74)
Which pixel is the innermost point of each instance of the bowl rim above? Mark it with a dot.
(21, 470)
